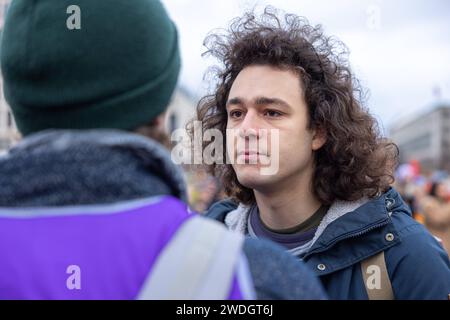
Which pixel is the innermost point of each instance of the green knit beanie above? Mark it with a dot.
(98, 64)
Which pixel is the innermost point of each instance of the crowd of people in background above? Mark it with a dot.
(428, 195)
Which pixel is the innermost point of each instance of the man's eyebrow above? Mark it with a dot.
(234, 101)
(260, 101)
(275, 101)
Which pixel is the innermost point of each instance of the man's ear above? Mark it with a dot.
(319, 138)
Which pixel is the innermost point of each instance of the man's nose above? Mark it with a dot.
(250, 125)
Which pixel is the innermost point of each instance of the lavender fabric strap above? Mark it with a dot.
(199, 263)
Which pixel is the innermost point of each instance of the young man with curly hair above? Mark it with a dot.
(330, 203)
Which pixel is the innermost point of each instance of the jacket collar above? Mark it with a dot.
(357, 235)
(344, 218)
(341, 223)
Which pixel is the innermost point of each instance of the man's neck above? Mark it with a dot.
(289, 204)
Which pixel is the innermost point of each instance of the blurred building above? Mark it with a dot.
(181, 109)
(425, 138)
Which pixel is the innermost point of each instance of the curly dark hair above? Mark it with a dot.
(356, 160)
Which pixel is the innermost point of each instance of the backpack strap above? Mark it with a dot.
(376, 278)
(198, 263)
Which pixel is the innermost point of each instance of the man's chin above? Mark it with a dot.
(253, 179)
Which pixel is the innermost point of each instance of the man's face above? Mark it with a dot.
(263, 98)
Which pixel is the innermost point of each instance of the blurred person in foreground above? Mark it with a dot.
(330, 203)
(91, 205)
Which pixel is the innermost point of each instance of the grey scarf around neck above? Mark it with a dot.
(74, 167)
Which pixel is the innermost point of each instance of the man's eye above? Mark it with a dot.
(272, 113)
(235, 114)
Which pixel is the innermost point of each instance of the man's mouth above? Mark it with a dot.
(248, 153)
(250, 156)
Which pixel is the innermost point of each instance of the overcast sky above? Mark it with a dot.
(400, 49)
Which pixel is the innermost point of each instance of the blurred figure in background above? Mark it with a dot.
(427, 193)
(203, 189)
(435, 208)
(410, 182)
